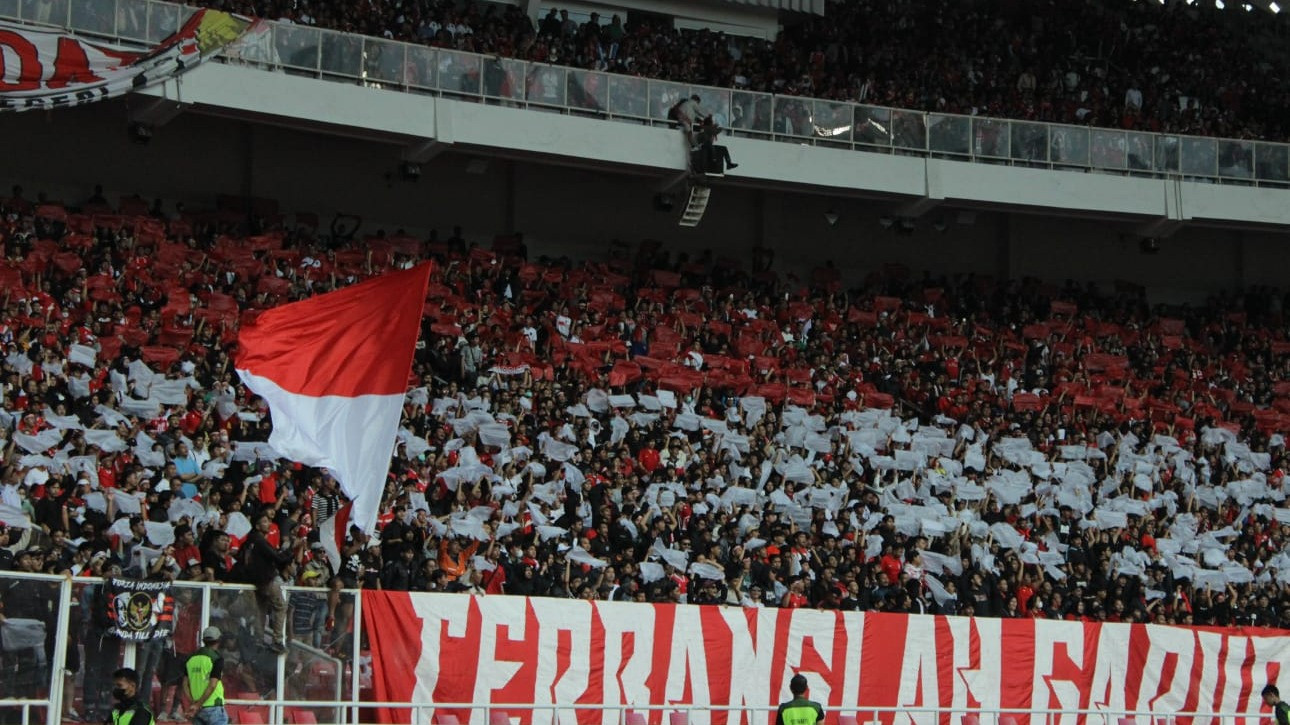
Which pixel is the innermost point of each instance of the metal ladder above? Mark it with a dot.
(695, 207)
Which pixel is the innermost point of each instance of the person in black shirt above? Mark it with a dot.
(217, 566)
(1280, 710)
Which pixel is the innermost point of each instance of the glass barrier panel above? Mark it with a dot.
(27, 639)
(792, 116)
(872, 126)
(9, 8)
(100, 654)
(1199, 156)
(321, 648)
(1068, 145)
(750, 111)
(163, 21)
(949, 134)
(1141, 151)
(382, 63)
(90, 16)
(588, 91)
(715, 101)
(504, 78)
(1236, 159)
(250, 668)
(1273, 161)
(459, 72)
(298, 46)
(160, 662)
(45, 12)
(342, 54)
(259, 47)
(1110, 150)
(909, 130)
(546, 85)
(832, 121)
(662, 96)
(1029, 141)
(132, 19)
(991, 138)
(421, 64)
(1166, 153)
(628, 96)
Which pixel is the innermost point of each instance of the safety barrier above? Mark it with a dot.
(413, 68)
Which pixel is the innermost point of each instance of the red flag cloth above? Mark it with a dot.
(334, 369)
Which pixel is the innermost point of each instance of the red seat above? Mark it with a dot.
(446, 718)
(300, 716)
(679, 718)
(971, 720)
(499, 717)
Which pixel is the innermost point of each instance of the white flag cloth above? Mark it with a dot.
(334, 369)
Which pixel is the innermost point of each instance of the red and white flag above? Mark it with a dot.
(334, 369)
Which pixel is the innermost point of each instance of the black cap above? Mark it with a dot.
(797, 685)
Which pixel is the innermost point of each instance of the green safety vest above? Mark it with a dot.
(199, 668)
(138, 714)
(800, 711)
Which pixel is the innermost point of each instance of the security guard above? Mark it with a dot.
(202, 681)
(799, 710)
(128, 710)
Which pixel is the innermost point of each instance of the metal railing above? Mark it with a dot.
(413, 68)
(40, 679)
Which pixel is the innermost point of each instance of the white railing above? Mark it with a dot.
(429, 713)
(414, 68)
(328, 680)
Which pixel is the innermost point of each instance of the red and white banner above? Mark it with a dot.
(43, 68)
(452, 648)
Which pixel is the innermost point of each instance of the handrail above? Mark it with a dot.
(414, 68)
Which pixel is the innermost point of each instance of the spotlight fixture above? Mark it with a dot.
(410, 171)
(887, 222)
(831, 217)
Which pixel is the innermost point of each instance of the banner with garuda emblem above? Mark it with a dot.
(140, 610)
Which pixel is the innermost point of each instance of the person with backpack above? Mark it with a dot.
(262, 565)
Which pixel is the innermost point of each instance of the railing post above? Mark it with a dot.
(356, 655)
(54, 713)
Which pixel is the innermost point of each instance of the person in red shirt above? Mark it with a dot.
(890, 562)
(186, 552)
(649, 458)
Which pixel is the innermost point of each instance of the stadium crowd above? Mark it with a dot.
(1173, 67)
(651, 427)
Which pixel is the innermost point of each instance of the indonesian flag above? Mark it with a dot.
(334, 369)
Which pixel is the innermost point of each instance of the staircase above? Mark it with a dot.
(695, 207)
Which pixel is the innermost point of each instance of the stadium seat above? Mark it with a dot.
(445, 718)
(971, 719)
(846, 720)
(499, 717)
(635, 718)
(679, 718)
(300, 716)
